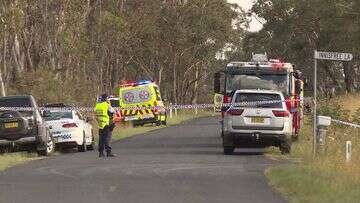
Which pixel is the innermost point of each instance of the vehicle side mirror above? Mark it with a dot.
(217, 84)
(88, 119)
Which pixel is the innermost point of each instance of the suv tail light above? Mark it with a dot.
(70, 125)
(281, 113)
(235, 112)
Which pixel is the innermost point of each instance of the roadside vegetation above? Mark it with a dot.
(326, 178)
(8, 160)
(12, 159)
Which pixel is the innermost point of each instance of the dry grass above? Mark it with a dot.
(12, 159)
(326, 178)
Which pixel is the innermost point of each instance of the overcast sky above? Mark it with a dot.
(246, 4)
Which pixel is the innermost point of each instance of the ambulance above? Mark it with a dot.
(141, 103)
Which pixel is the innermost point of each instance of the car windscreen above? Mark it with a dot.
(258, 100)
(57, 115)
(265, 82)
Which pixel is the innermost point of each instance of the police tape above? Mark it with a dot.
(346, 123)
(249, 104)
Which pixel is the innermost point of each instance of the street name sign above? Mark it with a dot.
(334, 56)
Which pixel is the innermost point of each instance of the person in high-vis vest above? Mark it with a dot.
(104, 113)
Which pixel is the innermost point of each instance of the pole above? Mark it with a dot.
(348, 151)
(315, 89)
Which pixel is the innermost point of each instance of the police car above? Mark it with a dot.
(68, 127)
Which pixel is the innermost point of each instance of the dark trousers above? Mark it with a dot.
(104, 140)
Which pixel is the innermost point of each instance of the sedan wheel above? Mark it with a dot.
(83, 147)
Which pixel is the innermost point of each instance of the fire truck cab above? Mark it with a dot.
(261, 73)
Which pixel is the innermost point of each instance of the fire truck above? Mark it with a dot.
(264, 74)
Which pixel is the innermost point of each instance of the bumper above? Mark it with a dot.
(74, 136)
(21, 141)
(255, 139)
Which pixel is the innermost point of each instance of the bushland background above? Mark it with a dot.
(72, 50)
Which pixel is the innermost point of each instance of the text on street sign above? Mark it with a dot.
(335, 56)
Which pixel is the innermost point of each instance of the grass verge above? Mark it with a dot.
(12, 159)
(326, 178)
(308, 184)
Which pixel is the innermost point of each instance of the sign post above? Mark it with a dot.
(333, 56)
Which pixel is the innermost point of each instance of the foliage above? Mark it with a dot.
(94, 45)
(356, 117)
(293, 29)
(335, 111)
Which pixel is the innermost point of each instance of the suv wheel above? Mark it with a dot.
(49, 147)
(229, 150)
(83, 147)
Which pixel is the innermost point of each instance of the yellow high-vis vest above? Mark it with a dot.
(101, 113)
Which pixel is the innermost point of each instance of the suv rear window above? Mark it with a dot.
(15, 102)
(242, 98)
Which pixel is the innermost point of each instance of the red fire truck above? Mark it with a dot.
(261, 73)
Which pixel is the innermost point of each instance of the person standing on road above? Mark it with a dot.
(103, 112)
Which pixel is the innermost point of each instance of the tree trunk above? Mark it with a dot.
(2, 83)
(196, 86)
(174, 82)
(349, 77)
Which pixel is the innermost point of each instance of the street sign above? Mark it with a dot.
(334, 56)
(320, 55)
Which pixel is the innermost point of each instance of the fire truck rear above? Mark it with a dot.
(261, 73)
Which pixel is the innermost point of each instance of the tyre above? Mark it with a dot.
(83, 147)
(2, 150)
(285, 147)
(229, 150)
(158, 123)
(91, 146)
(49, 147)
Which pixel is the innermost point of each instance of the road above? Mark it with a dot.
(182, 163)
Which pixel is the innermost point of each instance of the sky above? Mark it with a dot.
(246, 5)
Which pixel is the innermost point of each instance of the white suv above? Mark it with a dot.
(257, 118)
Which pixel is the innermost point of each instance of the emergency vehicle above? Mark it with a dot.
(264, 74)
(141, 103)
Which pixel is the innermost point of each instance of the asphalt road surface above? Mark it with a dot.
(182, 163)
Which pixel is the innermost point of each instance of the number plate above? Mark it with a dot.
(11, 125)
(258, 120)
